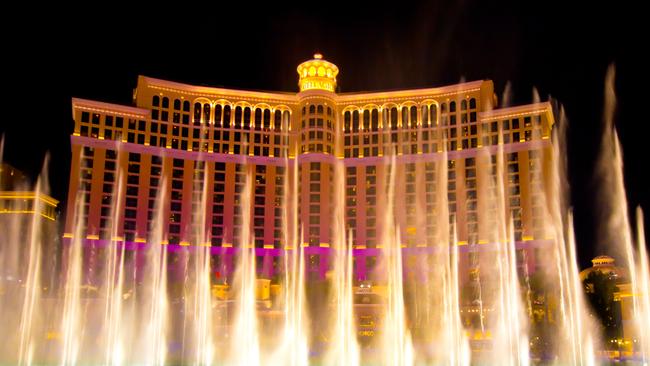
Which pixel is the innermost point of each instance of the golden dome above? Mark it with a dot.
(317, 74)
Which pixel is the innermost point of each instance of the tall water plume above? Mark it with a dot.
(113, 318)
(245, 346)
(508, 320)
(31, 317)
(615, 230)
(396, 342)
(155, 307)
(561, 279)
(643, 288)
(343, 348)
(200, 296)
(294, 349)
(72, 318)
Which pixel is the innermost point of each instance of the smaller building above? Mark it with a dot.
(623, 296)
(18, 197)
(28, 202)
(19, 205)
(606, 265)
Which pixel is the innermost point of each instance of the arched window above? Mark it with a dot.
(329, 111)
(405, 117)
(425, 116)
(206, 113)
(312, 109)
(472, 103)
(346, 121)
(217, 114)
(384, 118)
(226, 116)
(285, 121)
(165, 102)
(277, 120)
(177, 104)
(258, 119)
(197, 112)
(155, 101)
(433, 115)
(186, 106)
(366, 119)
(319, 109)
(355, 121)
(374, 120)
(247, 118)
(393, 118)
(463, 105)
(414, 117)
(452, 107)
(304, 110)
(443, 108)
(267, 119)
(238, 115)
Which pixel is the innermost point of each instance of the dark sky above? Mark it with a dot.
(53, 54)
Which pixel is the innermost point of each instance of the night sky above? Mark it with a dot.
(54, 54)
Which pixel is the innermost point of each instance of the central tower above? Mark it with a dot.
(317, 136)
(317, 74)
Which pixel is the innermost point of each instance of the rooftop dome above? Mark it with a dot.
(603, 260)
(606, 265)
(317, 74)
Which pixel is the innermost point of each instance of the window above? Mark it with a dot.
(267, 119)
(414, 117)
(393, 118)
(355, 121)
(206, 113)
(226, 117)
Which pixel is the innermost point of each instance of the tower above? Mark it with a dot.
(317, 126)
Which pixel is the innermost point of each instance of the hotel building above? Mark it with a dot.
(187, 135)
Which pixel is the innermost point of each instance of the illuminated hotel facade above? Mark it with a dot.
(187, 135)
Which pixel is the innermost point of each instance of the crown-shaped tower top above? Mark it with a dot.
(317, 74)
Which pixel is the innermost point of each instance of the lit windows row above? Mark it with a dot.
(245, 118)
(316, 109)
(411, 116)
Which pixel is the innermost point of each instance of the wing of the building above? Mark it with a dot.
(197, 138)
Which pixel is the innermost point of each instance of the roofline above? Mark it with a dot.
(93, 105)
(293, 97)
(417, 92)
(515, 111)
(29, 195)
(182, 87)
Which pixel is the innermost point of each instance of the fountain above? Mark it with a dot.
(122, 303)
(616, 230)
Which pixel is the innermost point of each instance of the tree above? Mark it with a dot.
(600, 289)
